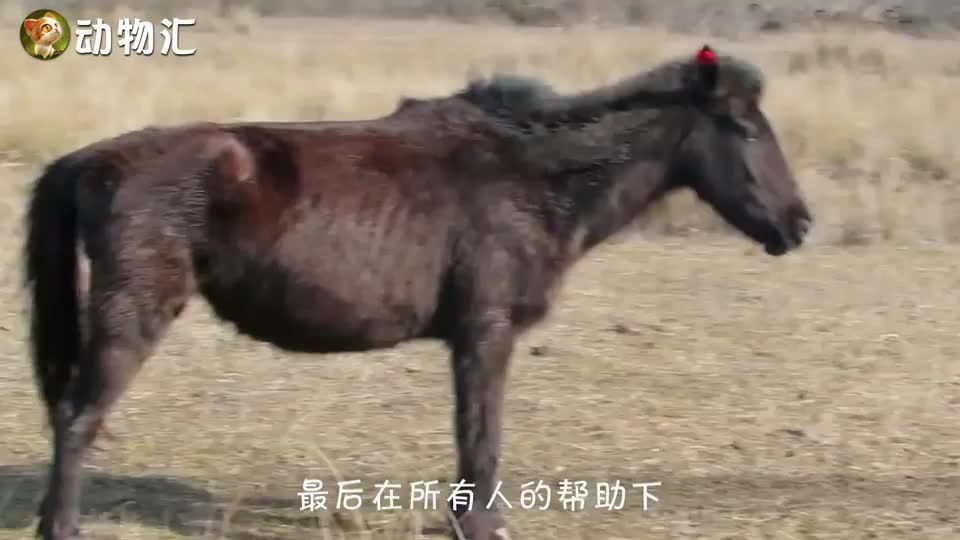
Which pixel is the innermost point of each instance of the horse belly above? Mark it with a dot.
(342, 267)
(322, 308)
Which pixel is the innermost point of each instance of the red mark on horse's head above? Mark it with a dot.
(706, 57)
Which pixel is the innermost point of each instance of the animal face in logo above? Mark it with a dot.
(44, 31)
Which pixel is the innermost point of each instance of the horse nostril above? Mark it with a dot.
(803, 227)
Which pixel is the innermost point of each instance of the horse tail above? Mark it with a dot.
(51, 275)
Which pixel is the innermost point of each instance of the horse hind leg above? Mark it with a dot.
(131, 303)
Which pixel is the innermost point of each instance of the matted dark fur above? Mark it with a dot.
(452, 218)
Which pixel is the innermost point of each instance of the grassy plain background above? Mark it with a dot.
(813, 396)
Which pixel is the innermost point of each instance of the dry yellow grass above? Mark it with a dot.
(867, 118)
(813, 396)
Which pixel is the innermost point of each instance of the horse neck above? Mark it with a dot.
(606, 173)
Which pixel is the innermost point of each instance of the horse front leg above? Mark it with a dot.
(480, 358)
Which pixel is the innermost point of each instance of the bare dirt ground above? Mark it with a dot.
(809, 397)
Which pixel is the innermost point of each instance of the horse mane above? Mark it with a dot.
(522, 98)
(508, 93)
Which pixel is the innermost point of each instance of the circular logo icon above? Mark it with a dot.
(44, 34)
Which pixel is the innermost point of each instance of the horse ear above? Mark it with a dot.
(706, 62)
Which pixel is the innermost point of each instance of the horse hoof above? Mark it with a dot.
(75, 536)
(483, 526)
(48, 533)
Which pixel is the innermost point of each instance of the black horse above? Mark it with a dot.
(452, 218)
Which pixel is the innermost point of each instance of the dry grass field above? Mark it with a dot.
(814, 396)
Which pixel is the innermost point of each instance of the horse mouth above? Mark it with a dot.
(776, 249)
(787, 239)
(777, 236)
